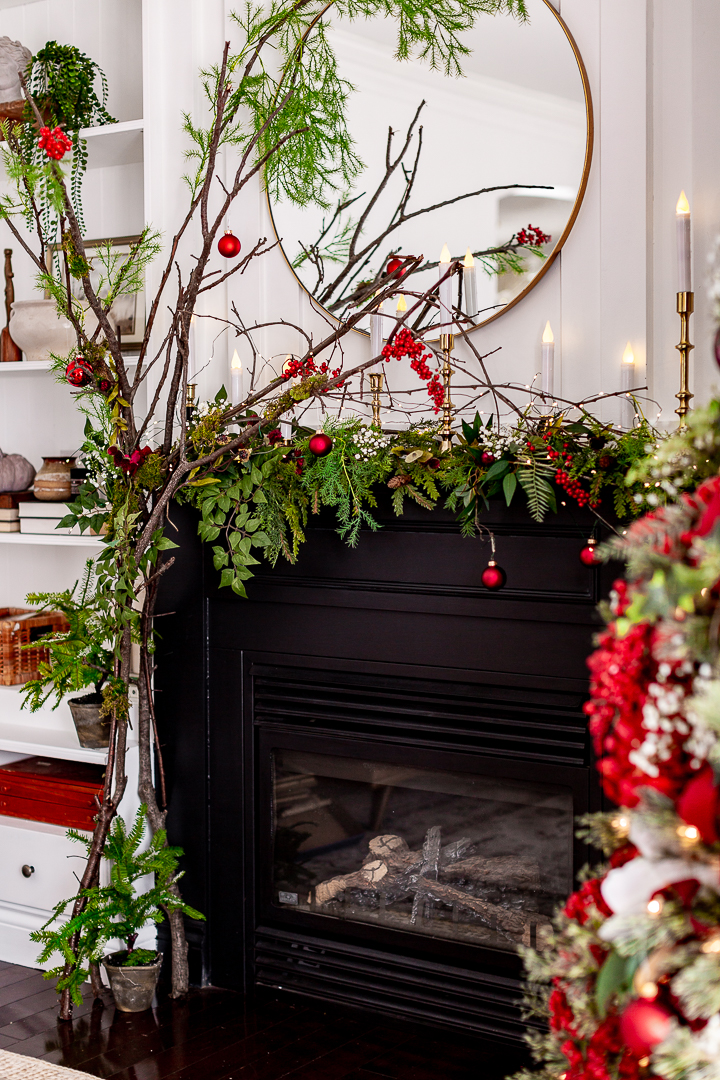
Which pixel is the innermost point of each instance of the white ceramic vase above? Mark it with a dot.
(38, 330)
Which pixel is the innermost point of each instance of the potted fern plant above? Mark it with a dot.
(76, 659)
(117, 911)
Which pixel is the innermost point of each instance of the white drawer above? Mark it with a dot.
(55, 860)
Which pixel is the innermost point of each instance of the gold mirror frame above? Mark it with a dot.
(589, 144)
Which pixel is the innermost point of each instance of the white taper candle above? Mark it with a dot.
(683, 228)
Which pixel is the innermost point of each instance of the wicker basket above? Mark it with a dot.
(19, 627)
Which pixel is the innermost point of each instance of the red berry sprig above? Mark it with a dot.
(55, 143)
(571, 484)
(404, 344)
(532, 237)
(305, 368)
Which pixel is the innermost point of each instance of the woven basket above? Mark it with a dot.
(19, 627)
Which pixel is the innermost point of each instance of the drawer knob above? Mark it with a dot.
(28, 871)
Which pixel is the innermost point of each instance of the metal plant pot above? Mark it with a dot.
(93, 731)
(133, 988)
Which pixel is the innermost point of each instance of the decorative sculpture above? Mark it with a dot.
(14, 58)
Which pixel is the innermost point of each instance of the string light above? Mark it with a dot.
(712, 945)
(648, 990)
(687, 832)
(655, 907)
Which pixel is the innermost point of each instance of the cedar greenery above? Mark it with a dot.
(116, 910)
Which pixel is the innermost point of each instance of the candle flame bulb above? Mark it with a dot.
(401, 304)
(547, 338)
(468, 261)
(628, 355)
(288, 359)
(683, 206)
(236, 362)
(445, 254)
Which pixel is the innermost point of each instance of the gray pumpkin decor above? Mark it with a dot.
(16, 472)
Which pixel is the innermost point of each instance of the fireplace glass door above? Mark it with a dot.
(474, 858)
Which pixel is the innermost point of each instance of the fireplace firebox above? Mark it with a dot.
(375, 766)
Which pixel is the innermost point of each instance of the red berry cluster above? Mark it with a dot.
(532, 237)
(305, 368)
(55, 143)
(562, 477)
(404, 344)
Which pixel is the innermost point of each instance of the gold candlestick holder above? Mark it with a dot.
(190, 400)
(447, 341)
(376, 385)
(685, 308)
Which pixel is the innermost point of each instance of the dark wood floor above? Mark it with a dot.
(217, 1035)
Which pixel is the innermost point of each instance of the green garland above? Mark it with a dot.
(259, 502)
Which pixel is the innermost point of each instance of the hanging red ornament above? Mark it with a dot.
(488, 458)
(394, 265)
(320, 444)
(493, 576)
(229, 245)
(78, 372)
(588, 555)
(644, 1024)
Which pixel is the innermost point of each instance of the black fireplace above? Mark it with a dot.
(375, 764)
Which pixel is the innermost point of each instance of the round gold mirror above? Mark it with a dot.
(493, 163)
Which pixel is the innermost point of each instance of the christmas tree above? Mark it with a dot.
(627, 984)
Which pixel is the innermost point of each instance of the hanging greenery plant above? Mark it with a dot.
(71, 92)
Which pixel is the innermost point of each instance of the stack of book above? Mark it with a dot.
(9, 509)
(43, 517)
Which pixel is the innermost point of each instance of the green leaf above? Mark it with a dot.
(165, 543)
(615, 977)
(509, 486)
(496, 470)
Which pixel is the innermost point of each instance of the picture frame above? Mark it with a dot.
(128, 311)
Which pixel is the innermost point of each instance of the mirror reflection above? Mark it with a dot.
(487, 168)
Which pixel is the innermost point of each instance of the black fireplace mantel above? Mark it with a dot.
(500, 677)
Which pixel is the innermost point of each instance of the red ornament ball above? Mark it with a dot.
(394, 265)
(488, 458)
(588, 555)
(320, 444)
(493, 576)
(229, 245)
(644, 1024)
(78, 372)
(699, 805)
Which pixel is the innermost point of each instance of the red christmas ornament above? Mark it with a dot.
(229, 245)
(488, 458)
(78, 372)
(394, 265)
(104, 385)
(698, 805)
(588, 555)
(320, 444)
(493, 576)
(644, 1024)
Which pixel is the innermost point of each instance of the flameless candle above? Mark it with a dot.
(446, 303)
(376, 331)
(470, 285)
(236, 378)
(401, 305)
(548, 360)
(684, 243)
(191, 369)
(286, 430)
(628, 381)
